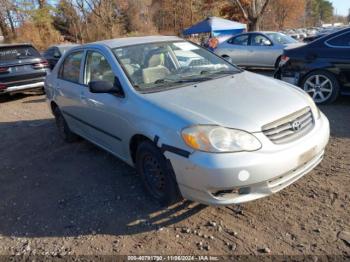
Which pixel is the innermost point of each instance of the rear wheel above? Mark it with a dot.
(157, 174)
(322, 86)
(277, 63)
(63, 129)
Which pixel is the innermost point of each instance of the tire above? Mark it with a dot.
(277, 63)
(157, 174)
(322, 86)
(63, 128)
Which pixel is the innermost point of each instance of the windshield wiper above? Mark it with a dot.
(220, 72)
(180, 81)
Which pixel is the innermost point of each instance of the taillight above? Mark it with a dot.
(2, 86)
(41, 64)
(4, 69)
(284, 59)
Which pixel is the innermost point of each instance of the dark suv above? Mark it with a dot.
(321, 68)
(21, 68)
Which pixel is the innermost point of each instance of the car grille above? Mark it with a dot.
(291, 127)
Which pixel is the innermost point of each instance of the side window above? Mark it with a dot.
(239, 40)
(340, 41)
(97, 68)
(260, 40)
(70, 68)
(48, 52)
(56, 53)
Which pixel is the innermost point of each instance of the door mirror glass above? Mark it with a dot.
(102, 86)
(228, 59)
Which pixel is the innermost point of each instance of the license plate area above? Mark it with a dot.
(21, 68)
(307, 156)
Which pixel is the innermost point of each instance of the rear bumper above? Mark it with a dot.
(20, 88)
(288, 76)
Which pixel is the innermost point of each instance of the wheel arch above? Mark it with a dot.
(53, 107)
(134, 142)
(306, 73)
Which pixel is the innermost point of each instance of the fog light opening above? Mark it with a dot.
(232, 192)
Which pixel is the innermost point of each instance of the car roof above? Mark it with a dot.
(330, 35)
(15, 44)
(64, 45)
(127, 41)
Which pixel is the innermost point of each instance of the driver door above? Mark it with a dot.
(261, 51)
(106, 112)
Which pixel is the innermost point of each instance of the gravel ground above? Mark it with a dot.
(58, 199)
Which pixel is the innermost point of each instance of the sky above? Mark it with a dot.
(341, 6)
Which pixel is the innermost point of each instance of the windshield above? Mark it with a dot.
(17, 52)
(160, 66)
(281, 38)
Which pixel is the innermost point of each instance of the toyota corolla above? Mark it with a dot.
(208, 132)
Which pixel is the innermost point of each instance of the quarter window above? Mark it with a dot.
(97, 68)
(341, 41)
(70, 69)
(239, 40)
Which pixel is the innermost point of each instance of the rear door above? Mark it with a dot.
(70, 92)
(21, 64)
(236, 48)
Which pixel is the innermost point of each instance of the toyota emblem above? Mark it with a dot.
(296, 126)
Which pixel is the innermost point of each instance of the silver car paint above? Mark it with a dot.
(244, 101)
(254, 56)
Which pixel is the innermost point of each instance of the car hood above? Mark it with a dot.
(244, 101)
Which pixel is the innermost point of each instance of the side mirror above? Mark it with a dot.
(267, 43)
(228, 59)
(100, 86)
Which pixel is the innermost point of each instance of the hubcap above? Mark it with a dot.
(154, 175)
(319, 87)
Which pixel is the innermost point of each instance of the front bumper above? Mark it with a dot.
(233, 178)
(20, 88)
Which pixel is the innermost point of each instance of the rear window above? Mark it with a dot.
(340, 41)
(17, 52)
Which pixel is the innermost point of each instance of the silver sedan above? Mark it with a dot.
(208, 132)
(256, 49)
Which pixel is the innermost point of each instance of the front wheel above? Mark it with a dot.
(322, 86)
(157, 174)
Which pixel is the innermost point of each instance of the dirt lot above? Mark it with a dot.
(58, 198)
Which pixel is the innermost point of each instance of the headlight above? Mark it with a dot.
(315, 110)
(218, 139)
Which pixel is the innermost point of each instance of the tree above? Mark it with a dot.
(326, 11)
(6, 20)
(318, 12)
(286, 13)
(251, 10)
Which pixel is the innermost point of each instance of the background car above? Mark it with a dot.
(21, 68)
(321, 68)
(54, 53)
(256, 49)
